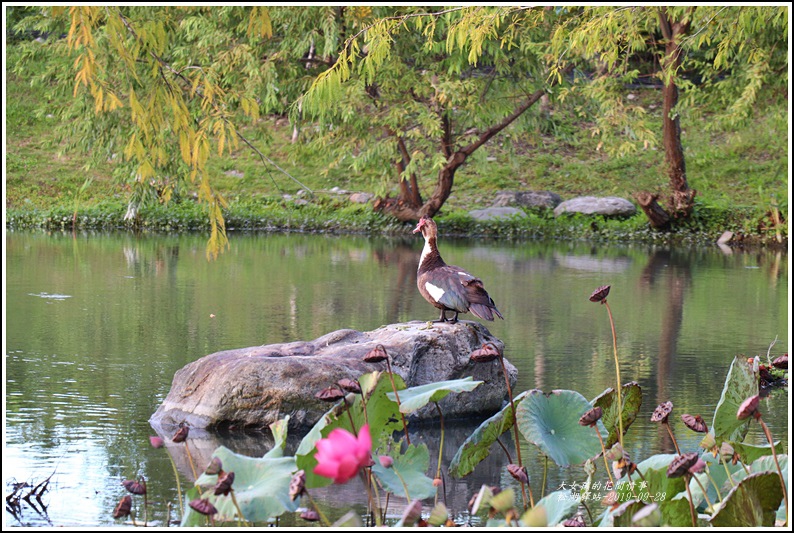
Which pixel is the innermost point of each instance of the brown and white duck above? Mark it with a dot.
(448, 287)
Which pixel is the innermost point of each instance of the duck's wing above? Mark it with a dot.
(480, 303)
(447, 285)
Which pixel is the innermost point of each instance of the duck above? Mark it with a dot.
(448, 287)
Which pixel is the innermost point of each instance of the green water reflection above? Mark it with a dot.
(97, 325)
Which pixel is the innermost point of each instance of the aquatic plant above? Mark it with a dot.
(489, 352)
(341, 455)
(749, 408)
(417, 397)
(600, 296)
(673, 490)
(377, 355)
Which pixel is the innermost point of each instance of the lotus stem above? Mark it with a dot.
(386, 507)
(714, 483)
(691, 505)
(774, 456)
(513, 408)
(507, 453)
(705, 494)
(727, 472)
(631, 485)
(178, 487)
(441, 445)
(670, 431)
(639, 473)
(316, 508)
(397, 397)
(378, 517)
(515, 432)
(587, 508)
(405, 487)
(237, 506)
(364, 405)
(352, 424)
(545, 473)
(440, 448)
(145, 508)
(190, 460)
(604, 455)
(617, 373)
(372, 503)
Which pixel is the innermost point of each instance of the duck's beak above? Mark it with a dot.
(418, 227)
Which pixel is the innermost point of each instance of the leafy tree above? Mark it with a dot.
(715, 55)
(168, 87)
(424, 90)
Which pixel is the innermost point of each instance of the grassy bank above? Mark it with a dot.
(740, 175)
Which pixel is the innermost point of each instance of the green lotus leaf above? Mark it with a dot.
(751, 503)
(559, 506)
(438, 516)
(551, 422)
(503, 501)
(478, 445)
(261, 488)
(532, 518)
(631, 398)
(482, 501)
(749, 453)
(622, 516)
(417, 397)
(767, 464)
(717, 478)
(656, 487)
(279, 431)
(654, 481)
(407, 472)
(740, 384)
(676, 513)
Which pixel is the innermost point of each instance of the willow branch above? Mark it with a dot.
(165, 65)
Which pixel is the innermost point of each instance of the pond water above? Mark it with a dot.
(96, 325)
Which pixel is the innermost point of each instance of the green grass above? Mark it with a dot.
(739, 175)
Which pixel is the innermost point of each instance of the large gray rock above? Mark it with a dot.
(496, 213)
(529, 199)
(254, 387)
(591, 205)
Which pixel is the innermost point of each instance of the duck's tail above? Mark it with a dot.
(485, 312)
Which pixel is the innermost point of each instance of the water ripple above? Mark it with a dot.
(51, 296)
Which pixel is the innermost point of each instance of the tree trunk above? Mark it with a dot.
(658, 217)
(408, 206)
(682, 198)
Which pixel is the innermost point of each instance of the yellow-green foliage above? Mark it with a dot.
(169, 88)
(163, 101)
(733, 50)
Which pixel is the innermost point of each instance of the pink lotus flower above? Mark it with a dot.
(341, 454)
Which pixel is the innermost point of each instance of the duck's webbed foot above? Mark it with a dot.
(443, 317)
